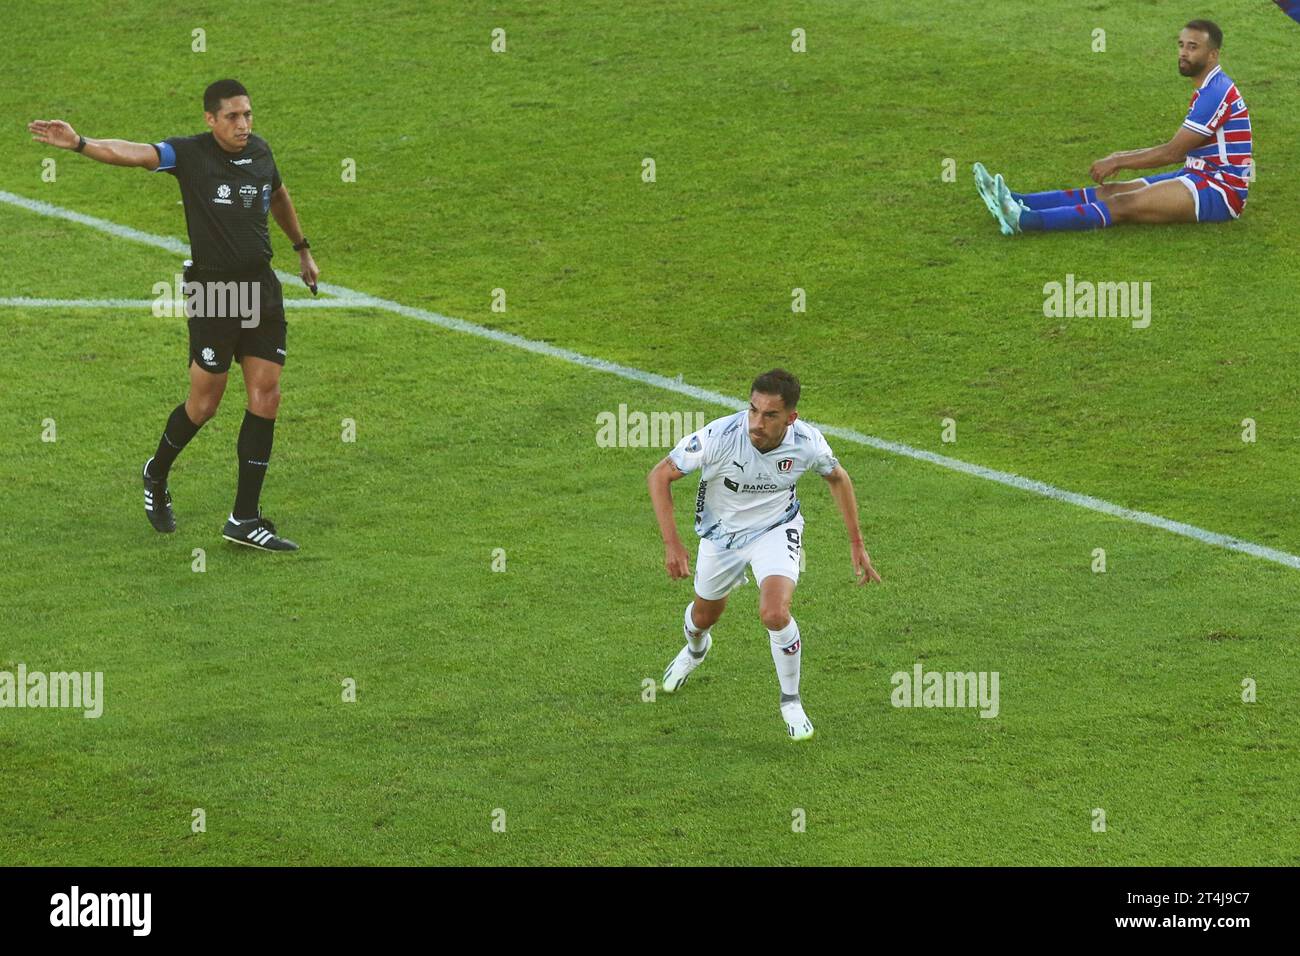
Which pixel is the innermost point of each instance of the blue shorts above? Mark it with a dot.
(1210, 204)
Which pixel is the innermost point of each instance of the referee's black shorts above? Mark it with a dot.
(237, 314)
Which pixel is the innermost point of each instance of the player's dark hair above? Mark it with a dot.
(221, 90)
(1210, 28)
(778, 382)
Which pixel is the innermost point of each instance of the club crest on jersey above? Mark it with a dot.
(223, 195)
(784, 465)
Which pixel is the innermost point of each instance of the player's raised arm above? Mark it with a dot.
(114, 152)
(676, 560)
(1174, 151)
(841, 486)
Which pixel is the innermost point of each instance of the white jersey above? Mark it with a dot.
(745, 492)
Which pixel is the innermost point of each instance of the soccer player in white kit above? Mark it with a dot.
(747, 515)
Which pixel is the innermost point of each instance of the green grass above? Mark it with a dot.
(522, 690)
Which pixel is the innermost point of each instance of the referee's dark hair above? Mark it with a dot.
(778, 382)
(221, 90)
(1210, 29)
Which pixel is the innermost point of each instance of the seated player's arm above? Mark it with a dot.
(661, 477)
(115, 152)
(841, 488)
(1166, 154)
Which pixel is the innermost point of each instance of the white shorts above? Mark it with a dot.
(718, 571)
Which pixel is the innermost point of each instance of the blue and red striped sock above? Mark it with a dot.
(1056, 197)
(1094, 215)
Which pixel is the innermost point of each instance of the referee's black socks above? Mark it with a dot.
(254, 447)
(176, 435)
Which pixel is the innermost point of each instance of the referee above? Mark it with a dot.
(229, 183)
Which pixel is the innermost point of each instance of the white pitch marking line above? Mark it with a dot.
(704, 395)
(146, 238)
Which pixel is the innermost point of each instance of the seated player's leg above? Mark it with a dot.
(1161, 202)
(1166, 198)
(718, 571)
(1014, 217)
(1053, 198)
(988, 189)
(775, 561)
(1108, 191)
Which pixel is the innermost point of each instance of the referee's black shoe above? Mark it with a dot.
(256, 533)
(158, 502)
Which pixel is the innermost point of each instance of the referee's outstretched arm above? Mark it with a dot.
(121, 152)
(115, 152)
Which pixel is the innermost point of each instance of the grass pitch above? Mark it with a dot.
(520, 690)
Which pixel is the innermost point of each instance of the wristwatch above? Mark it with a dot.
(300, 246)
(81, 143)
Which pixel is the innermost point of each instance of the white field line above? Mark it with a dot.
(704, 395)
(27, 303)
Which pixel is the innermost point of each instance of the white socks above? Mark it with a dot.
(696, 639)
(786, 652)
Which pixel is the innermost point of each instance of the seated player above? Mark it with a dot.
(1213, 142)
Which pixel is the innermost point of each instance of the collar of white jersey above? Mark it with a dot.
(1211, 75)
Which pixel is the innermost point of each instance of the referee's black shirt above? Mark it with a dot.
(226, 197)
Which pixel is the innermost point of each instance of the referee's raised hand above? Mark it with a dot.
(114, 152)
(54, 132)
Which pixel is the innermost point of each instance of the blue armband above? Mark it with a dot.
(166, 156)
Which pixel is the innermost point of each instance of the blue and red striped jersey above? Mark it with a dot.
(1218, 113)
